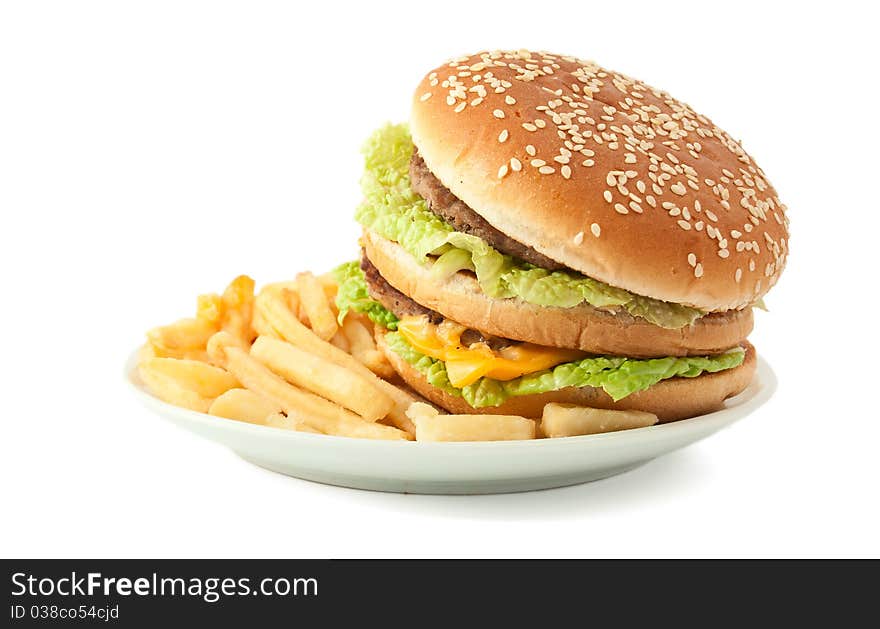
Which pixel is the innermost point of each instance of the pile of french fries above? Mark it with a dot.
(281, 358)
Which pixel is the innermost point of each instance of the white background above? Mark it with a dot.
(150, 151)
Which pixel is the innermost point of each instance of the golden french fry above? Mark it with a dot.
(314, 302)
(209, 308)
(323, 377)
(243, 405)
(237, 304)
(240, 292)
(568, 420)
(170, 390)
(331, 287)
(431, 426)
(279, 420)
(261, 327)
(279, 286)
(363, 347)
(206, 380)
(147, 351)
(339, 340)
(185, 334)
(184, 354)
(319, 413)
(273, 309)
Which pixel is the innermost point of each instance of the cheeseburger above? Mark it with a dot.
(547, 230)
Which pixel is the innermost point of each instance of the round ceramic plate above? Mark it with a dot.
(456, 468)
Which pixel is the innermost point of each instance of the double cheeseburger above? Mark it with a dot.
(547, 230)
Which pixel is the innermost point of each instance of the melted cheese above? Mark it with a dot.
(466, 365)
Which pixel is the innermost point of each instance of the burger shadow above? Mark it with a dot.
(677, 473)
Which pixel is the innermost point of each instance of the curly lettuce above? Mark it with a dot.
(353, 296)
(394, 211)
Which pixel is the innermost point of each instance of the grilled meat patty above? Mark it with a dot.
(458, 214)
(401, 306)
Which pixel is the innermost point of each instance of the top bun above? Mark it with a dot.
(603, 174)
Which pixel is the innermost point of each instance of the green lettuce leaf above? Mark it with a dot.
(353, 295)
(616, 375)
(393, 210)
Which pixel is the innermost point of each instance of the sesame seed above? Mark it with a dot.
(620, 208)
(678, 189)
(498, 113)
(579, 238)
(608, 196)
(596, 229)
(738, 275)
(540, 123)
(502, 171)
(698, 270)
(530, 150)
(723, 253)
(692, 259)
(528, 126)
(588, 162)
(510, 100)
(566, 171)
(502, 137)
(537, 163)
(515, 165)
(460, 107)
(425, 96)
(684, 225)
(546, 170)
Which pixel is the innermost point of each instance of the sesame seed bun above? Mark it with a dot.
(583, 327)
(603, 174)
(670, 400)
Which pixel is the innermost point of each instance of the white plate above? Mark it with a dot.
(456, 468)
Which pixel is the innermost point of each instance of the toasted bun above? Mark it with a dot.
(460, 298)
(603, 174)
(676, 398)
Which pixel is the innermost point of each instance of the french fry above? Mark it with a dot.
(279, 420)
(363, 348)
(170, 390)
(147, 351)
(431, 426)
(323, 377)
(319, 413)
(238, 303)
(209, 308)
(261, 327)
(206, 380)
(568, 420)
(182, 335)
(339, 340)
(184, 354)
(275, 312)
(331, 287)
(243, 405)
(317, 309)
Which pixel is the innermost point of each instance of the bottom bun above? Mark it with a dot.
(672, 399)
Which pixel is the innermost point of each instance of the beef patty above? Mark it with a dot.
(390, 297)
(458, 214)
(401, 306)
